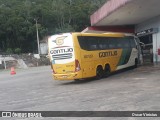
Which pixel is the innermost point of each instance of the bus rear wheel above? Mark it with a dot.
(107, 70)
(77, 80)
(99, 72)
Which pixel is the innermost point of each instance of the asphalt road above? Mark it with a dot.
(34, 90)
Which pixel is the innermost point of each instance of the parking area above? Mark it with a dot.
(128, 90)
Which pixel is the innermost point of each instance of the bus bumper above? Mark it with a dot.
(70, 76)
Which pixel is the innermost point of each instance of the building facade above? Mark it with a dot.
(148, 32)
(139, 17)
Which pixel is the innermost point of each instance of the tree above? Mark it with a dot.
(17, 23)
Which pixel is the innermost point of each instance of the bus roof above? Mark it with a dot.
(109, 34)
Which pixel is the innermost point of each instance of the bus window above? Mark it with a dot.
(92, 43)
(125, 43)
(112, 43)
(103, 43)
(88, 43)
(132, 42)
(119, 44)
(82, 42)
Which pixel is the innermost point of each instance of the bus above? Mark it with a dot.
(76, 56)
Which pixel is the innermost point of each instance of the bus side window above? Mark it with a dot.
(93, 47)
(103, 43)
(125, 43)
(113, 43)
(92, 43)
(83, 42)
(132, 42)
(119, 45)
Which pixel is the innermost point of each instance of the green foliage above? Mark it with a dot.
(17, 50)
(66, 28)
(18, 25)
(9, 51)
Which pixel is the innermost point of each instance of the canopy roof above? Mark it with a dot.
(125, 12)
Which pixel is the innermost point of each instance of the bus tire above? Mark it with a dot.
(77, 80)
(107, 70)
(99, 72)
(136, 63)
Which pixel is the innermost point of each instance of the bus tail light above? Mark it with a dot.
(77, 66)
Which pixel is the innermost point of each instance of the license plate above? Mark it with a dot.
(64, 76)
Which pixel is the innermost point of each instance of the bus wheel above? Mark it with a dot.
(77, 80)
(99, 72)
(107, 70)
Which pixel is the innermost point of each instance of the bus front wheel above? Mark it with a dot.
(99, 72)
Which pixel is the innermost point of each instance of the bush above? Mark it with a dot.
(17, 50)
(9, 51)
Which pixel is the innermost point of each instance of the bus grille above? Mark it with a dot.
(62, 56)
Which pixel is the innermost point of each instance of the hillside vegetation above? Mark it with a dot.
(18, 21)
